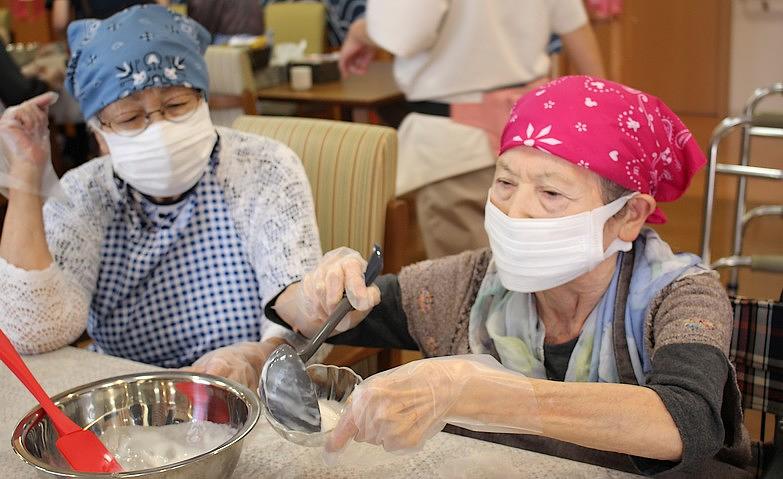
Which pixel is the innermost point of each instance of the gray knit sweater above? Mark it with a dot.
(688, 323)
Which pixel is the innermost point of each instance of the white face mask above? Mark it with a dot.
(539, 254)
(166, 159)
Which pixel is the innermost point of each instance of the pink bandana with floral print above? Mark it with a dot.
(622, 134)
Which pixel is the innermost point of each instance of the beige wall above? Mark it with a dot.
(756, 41)
(755, 60)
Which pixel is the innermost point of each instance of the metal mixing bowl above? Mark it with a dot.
(146, 399)
(334, 383)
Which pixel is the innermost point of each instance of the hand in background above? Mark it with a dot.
(357, 51)
(240, 362)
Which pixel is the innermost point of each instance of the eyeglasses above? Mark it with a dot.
(177, 109)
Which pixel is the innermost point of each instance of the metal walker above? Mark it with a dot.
(753, 125)
(756, 346)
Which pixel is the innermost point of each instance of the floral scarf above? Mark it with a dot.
(506, 322)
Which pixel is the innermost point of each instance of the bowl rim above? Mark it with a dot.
(288, 434)
(33, 415)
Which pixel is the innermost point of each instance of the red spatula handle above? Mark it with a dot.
(14, 362)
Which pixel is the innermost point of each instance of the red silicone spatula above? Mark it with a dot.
(82, 449)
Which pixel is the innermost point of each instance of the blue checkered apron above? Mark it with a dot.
(174, 281)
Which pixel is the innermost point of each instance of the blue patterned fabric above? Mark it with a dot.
(141, 47)
(174, 282)
(339, 16)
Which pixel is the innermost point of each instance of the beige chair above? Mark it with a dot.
(5, 26)
(295, 21)
(180, 9)
(352, 170)
(231, 85)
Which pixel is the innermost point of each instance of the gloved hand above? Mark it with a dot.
(25, 151)
(402, 408)
(241, 362)
(306, 305)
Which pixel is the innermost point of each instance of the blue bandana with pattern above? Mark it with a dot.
(140, 47)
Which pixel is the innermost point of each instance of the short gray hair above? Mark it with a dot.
(611, 191)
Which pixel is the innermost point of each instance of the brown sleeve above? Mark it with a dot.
(692, 310)
(437, 296)
(691, 324)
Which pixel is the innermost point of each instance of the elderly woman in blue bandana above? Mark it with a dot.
(578, 333)
(167, 249)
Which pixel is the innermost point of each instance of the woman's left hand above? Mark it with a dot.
(241, 362)
(399, 409)
(402, 408)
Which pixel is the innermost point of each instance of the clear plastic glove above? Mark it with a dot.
(240, 362)
(402, 408)
(25, 151)
(306, 305)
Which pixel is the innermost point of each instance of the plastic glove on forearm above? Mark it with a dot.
(402, 408)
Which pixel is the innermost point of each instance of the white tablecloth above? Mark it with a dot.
(266, 454)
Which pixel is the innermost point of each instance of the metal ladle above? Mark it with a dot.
(286, 389)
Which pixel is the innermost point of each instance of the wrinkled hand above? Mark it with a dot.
(402, 408)
(241, 362)
(357, 50)
(308, 304)
(24, 139)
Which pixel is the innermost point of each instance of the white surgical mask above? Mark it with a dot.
(539, 254)
(167, 159)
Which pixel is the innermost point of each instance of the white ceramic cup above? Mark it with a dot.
(301, 77)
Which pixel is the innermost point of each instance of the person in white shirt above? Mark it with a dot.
(462, 64)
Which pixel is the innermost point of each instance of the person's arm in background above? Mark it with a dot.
(15, 87)
(61, 17)
(581, 47)
(358, 50)
(402, 27)
(569, 20)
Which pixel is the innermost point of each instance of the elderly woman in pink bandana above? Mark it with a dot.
(578, 333)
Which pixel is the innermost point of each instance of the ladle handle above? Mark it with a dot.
(374, 267)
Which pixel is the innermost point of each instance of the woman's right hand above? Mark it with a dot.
(306, 305)
(24, 139)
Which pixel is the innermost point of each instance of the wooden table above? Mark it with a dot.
(355, 94)
(266, 454)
